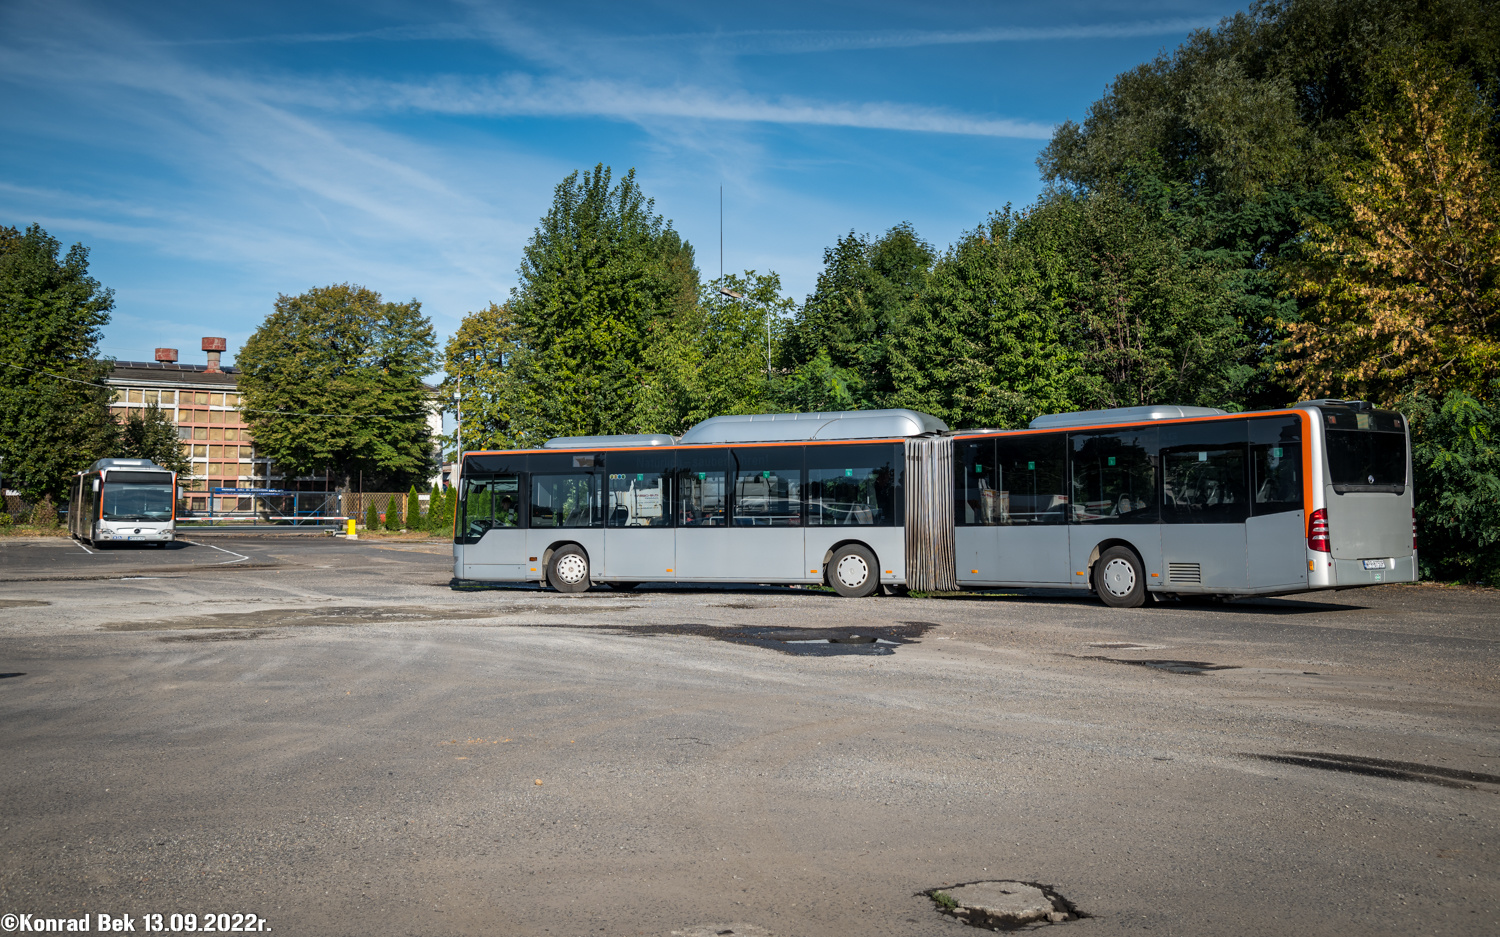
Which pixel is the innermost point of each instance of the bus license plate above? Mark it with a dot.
(1367, 566)
(1374, 564)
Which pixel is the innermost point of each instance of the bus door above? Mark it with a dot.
(705, 549)
(1276, 531)
(1030, 509)
(1205, 504)
(639, 540)
(489, 527)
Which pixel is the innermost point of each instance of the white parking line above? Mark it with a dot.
(84, 548)
(221, 550)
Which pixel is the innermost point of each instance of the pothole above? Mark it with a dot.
(1004, 905)
(22, 603)
(1120, 645)
(222, 636)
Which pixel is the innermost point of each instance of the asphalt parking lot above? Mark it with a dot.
(329, 735)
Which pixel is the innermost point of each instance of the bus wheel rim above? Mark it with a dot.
(572, 568)
(1119, 577)
(853, 571)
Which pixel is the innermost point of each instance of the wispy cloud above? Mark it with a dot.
(522, 95)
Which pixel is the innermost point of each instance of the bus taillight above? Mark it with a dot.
(1317, 531)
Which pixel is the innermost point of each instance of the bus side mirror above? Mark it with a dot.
(96, 484)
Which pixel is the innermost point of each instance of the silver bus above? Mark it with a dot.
(1123, 503)
(1188, 501)
(123, 501)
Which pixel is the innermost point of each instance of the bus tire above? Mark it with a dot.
(1120, 578)
(853, 572)
(568, 569)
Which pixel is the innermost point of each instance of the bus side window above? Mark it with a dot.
(1203, 473)
(1275, 464)
(569, 500)
(638, 490)
(701, 497)
(1114, 477)
(767, 486)
(854, 485)
(1031, 489)
(976, 484)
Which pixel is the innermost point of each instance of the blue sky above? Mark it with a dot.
(215, 155)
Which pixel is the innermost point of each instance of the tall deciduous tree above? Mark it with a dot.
(150, 435)
(600, 269)
(838, 347)
(480, 371)
(332, 381)
(54, 411)
(1406, 293)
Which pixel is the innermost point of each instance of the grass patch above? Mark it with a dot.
(944, 900)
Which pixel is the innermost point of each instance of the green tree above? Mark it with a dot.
(713, 357)
(1405, 293)
(332, 381)
(1456, 459)
(479, 371)
(372, 516)
(599, 270)
(837, 348)
(413, 512)
(54, 409)
(150, 435)
(434, 519)
(393, 513)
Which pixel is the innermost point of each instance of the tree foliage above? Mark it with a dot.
(599, 271)
(54, 410)
(479, 362)
(332, 381)
(150, 435)
(1456, 458)
(1405, 293)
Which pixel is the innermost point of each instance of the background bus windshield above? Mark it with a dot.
(137, 501)
(1366, 451)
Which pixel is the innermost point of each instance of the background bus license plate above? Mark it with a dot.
(1374, 564)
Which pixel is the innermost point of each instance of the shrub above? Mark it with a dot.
(1456, 460)
(372, 517)
(435, 511)
(413, 512)
(393, 513)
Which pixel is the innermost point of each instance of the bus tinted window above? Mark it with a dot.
(565, 501)
(1031, 474)
(701, 490)
(488, 502)
(1366, 461)
(1114, 477)
(767, 486)
(1203, 473)
(1275, 465)
(638, 490)
(976, 483)
(853, 485)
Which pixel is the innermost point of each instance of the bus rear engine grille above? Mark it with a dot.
(1185, 573)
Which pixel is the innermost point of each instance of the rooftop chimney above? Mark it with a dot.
(168, 355)
(213, 346)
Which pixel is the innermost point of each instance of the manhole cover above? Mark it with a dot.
(1004, 905)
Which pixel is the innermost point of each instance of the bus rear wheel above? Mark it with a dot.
(1119, 579)
(853, 572)
(568, 570)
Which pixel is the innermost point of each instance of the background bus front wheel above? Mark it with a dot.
(1119, 579)
(568, 570)
(853, 573)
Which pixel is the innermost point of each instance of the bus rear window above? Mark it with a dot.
(1366, 461)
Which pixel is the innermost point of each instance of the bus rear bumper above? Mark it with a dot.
(1348, 573)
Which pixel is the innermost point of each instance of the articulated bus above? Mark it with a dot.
(1164, 501)
(123, 501)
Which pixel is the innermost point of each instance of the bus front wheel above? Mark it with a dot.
(568, 570)
(1119, 579)
(853, 572)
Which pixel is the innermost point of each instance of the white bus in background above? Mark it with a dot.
(1166, 501)
(124, 501)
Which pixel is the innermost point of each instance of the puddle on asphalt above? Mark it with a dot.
(304, 618)
(1189, 667)
(871, 641)
(1383, 768)
(22, 603)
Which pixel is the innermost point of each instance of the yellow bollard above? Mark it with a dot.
(352, 534)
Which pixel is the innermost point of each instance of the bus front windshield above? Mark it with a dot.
(134, 501)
